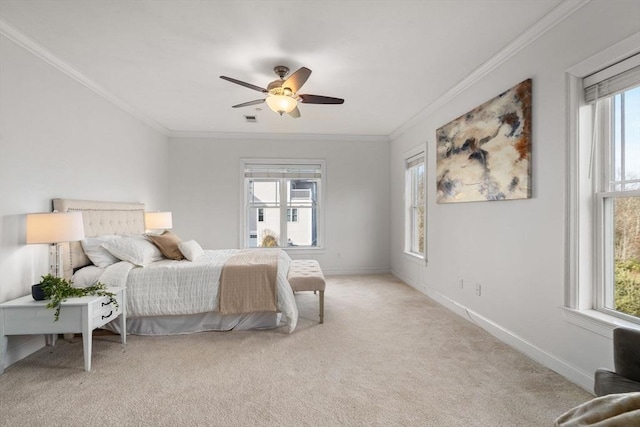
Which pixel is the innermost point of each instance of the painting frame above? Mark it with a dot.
(485, 154)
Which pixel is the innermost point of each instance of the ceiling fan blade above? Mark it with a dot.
(246, 104)
(297, 79)
(245, 84)
(318, 99)
(295, 113)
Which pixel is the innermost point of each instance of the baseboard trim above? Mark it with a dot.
(353, 271)
(576, 376)
(28, 345)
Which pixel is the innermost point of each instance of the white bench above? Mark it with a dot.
(306, 275)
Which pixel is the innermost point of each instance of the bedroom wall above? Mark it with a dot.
(60, 139)
(514, 249)
(206, 190)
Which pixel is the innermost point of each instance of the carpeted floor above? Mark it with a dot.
(386, 355)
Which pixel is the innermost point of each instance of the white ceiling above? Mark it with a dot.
(162, 60)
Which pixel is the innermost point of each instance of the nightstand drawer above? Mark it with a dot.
(104, 311)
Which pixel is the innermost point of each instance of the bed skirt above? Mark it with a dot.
(200, 322)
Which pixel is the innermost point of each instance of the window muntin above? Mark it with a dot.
(415, 205)
(289, 195)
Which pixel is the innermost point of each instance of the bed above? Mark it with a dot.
(166, 296)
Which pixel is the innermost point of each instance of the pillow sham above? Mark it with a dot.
(190, 249)
(87, 276)
(98, 255)
(135, 249)
(167, 242)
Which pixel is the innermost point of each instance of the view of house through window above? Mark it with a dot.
(282, 205)
(613, 99)
(415, 205)
(292, 215)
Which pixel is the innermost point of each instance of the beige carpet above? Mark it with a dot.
(386, 355)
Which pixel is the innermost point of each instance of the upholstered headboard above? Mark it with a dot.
(99, 218)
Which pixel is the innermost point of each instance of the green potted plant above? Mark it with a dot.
(58, 290)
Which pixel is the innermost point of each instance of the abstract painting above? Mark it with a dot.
(486, 153)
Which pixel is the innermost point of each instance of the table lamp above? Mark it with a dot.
(54, 228)
(158, 220)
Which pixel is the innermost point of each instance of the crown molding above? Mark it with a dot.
(557, 15)
(16, 36)
(612, 55)
(550, 20)
(279, 136)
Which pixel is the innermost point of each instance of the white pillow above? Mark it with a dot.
(98, 255)
(87, 276)
(190, 249)
(135, 249)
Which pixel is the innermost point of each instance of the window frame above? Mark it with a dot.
(410, 204)
(585, 234)
(605, 292)
(244, 238)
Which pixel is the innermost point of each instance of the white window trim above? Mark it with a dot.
(321, 208)
(420, 258)
(578, 299)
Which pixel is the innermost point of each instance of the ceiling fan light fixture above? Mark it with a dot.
(282, 95)
(281, 104)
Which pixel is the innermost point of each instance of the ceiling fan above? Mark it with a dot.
(282, 95)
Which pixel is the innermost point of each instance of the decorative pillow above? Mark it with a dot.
(190, 249)
(98, 255)
(167, 242)
(87, 276)
(135, 249)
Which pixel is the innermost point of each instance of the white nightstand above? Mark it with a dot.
(24, 316)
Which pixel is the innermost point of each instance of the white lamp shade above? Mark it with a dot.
(281, 103)
(54, 227)
(158, 220)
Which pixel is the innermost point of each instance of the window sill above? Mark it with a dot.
(415, 257)
(596, 321)
(303, 250)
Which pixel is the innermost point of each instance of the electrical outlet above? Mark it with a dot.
(461, 284)
(478, 289)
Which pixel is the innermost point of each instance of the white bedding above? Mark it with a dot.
(169, 287)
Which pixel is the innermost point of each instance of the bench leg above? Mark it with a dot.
(321, 306)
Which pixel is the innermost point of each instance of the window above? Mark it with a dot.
(292, 215)
(415, 205)
(282, 204)
(618, 202)
(606, 190)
